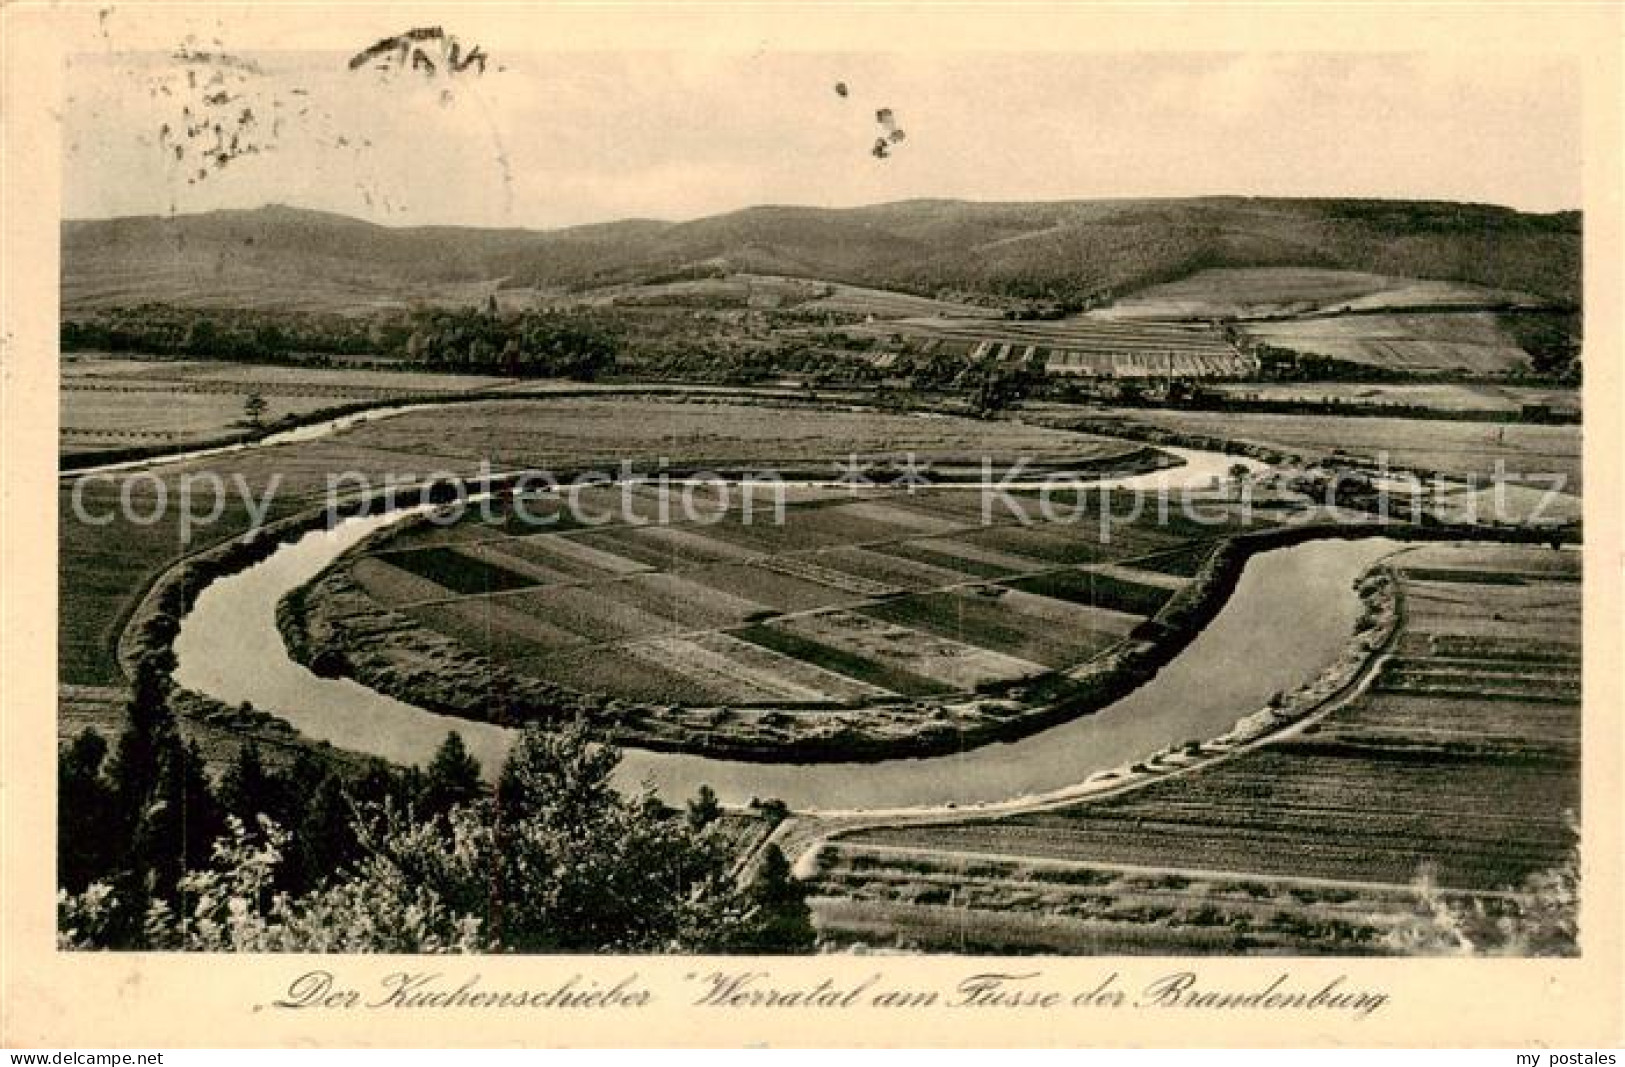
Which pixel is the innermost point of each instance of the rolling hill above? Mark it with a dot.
(281, 254)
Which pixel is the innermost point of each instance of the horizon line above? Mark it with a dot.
(611, 221)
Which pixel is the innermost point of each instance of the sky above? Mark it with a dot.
(550, 140)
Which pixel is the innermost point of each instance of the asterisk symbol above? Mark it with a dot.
(852, 473)
(914, 474)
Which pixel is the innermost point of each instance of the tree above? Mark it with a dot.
(453, 777)
(704, 809)
(254, 409)
(234, 906)
(558, 775)
(176, 827)
(309, 798)
(779, 920)
(325, 845)
(146, 723)
(247, 790)
(557, 860)
(165, 819)
(87, 840)
(269, 340)
(201, 337)
(772, 809)
(125, 886)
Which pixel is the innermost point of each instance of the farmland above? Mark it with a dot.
(1466, 342)
(702, 431)
(810, 297)
(843, 618)
(1280, 291)
(1451, 448)
(98, 418)
(195, 277)
(1328, 837)
(1439, 396)
(110, 403)
(867, 617)
(725, 291)
(1075, 346)
(1403, 325)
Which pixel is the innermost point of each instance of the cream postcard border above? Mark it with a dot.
(83, 1000)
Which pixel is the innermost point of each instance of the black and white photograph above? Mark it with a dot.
(844, 502)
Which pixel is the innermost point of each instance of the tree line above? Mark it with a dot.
(553, 344)
(154, 854)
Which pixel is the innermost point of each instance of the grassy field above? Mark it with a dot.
(91, 368)
(1471, 342)
(1458, 448)
(97, 418)
(111, 402)
(577, 433)
(1441, 396)
(104, 569)
(1260, 291)
(889, 304)
(1314, 842)
(196, 276)
(773, 291)
(941, 902)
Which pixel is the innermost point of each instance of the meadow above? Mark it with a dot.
(1452, 448)
(698, 431)
(811, 296)
(108, 402)
(1277, 291)
(1465, 342)
(1439, 396)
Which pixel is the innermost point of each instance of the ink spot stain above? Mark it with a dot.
(890, 136)
(426, 50)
